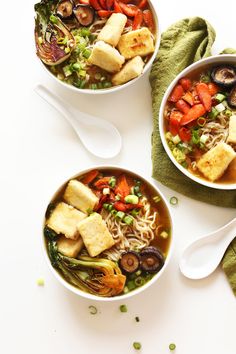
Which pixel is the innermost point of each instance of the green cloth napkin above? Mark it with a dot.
(182, 44)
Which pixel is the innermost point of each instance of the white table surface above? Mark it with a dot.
(39, 151)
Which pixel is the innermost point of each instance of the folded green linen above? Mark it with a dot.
(182, 44)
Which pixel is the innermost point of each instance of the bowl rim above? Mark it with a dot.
(214, 59)
(119, 87)
(137, 291)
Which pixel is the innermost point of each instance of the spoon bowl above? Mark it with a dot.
(203, 256)
(99, 137)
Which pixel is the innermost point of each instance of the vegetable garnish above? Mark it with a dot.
(123, 308)
(137, 319)
(40, 282)
(172, 346)
(93, 310)
(137, 345)
(173, 200)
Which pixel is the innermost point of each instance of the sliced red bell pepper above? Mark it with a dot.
(102, 200)
(103, 4)
(129, 10)
(195, 112)
(95, 4)
(102, 182)
(213, 88)
(120, 206)
(104, 13)
(142, 4)
(109, 4)
(122, 187)
(138, 19)
(117, 8)
(188, 97)
(185, 134)
(90, 176)
(204, 95)
(185, 83)
(148, 19)
(182, 106)
(174, 122)
(124, 1)
(176, 93)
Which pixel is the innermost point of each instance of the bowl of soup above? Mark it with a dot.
(96, 46)
(197, 121)
(107, 233)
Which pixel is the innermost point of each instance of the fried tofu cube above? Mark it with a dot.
(138, 42)
(69, 248)
(106, 57)
(232, 130)
(64, 220)
(133, 68)
(95, 234)
(113, 29)
(214, 162)
(80, 196)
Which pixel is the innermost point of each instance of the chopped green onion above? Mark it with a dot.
(114, 212)
(195, 136)
(203, 139)
(135, 212)
(139, 281)
(220, 97)
(67, 70)
(40, 40)
(97, 76)
(117, 197)
(128, 220)
(157, 199)
(76, 66)
(40, 282)
(137, 319)
(131, 285)
(213, 113)
(105, 206)
(139, 272)
(172, 346)
(85, 32)
(93, 310)
(82, 73)
(87, 53)
(132, 199)
(220, 107)
(123, 308)
(120, 215)
(53, 19)
(201, 121)
(67, 50)
(107, 84)
(228, 112)
(137, 345)
(93, 86)
(112, 182)
(106, 191)
(176, 139)
(173, 200)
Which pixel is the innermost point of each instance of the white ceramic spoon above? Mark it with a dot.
(202, 256)
(99, 136)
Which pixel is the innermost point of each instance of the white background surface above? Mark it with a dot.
(38, 152)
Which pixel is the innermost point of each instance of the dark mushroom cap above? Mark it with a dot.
(151, 259)
(84, 14)
(232, 98)
(224, 75)
(129, 262)
(65, 9)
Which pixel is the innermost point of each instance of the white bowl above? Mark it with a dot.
(211, 61)
(133, 292)
(117, 88)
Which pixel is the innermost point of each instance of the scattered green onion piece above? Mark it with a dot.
(82, 73)
(220, 107)
(93, 86)
(172, 346)
(228, 112)
(157, 199)
(201, 121)
(132, 199)
(93, 310)
(107, 84)
(195, 136)
(120, 215)
(213, 113)
(137, 345)
(123, 308)
(173, 201)
(131, 285)
(112, 182)
(128, 220)
(85, 32)
(76, 66)
(220, 97)
(105, 206)
(40, 40)
(110, 207)
(40, 282)
(203, 139)
(126, 290)
(139, 281)
(86, 53)
(53, 19)
(137, 319)
(67, 50)
(114, 212)
(97, 76)
(176, 139)
(138, 272)
(135, 212)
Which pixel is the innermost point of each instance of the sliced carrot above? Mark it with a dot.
(204, 95)
(124, 1)
(109, 4)
(103, 4)
(102, 182)
(182, 106)
(176, 93)
(188, 97)
(213, 88)
(122, 187)
(102, 200)
(117, 8)
(120, 206)
(174, 122)
(185, 134)
(142, 4)
(129, 10)
(148, 19)
(90, 176)
(195, 112)
(104, 13)
(185, 83)
(129, 23)
(95, 4)
(138, 19)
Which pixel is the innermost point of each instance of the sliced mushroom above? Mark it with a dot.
(232, 98)
(151, 259)
(65, 9)
(129, 262)
(224, 75)
(84, 14)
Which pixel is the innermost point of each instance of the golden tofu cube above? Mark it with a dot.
(95, 234)
(64, 220)
(80, 196)
(69, 248)
(106, 57)
(214, 162)
(138, 42)
(232, 130)
(113, 29)
(133, 68)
